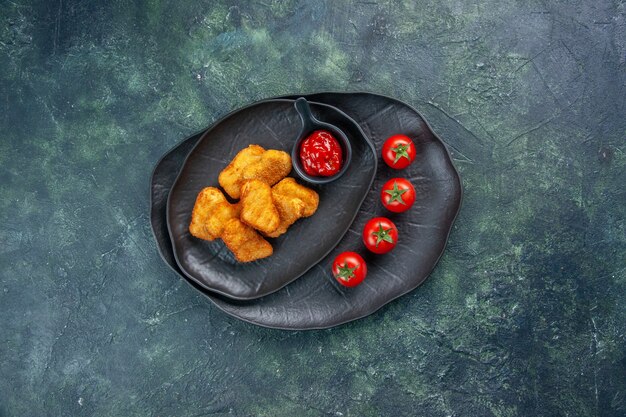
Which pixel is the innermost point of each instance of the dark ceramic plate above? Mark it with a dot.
(273, 124)
(315, 301)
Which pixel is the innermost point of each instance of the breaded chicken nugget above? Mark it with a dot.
(257, 207)
(220, 215)
(289, 188)
(290, 210)
(231, 177)
(254, 163)
(206, 203)
(272, 167)
(244, 242)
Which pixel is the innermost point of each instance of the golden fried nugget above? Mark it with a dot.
(244, 242)
(290, 210)
(220, 215)
(231, 177)
(257, 207)
(289, 188)
(272, 167)
(206, 202)
(254, 163)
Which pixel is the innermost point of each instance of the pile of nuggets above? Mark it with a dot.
(269, 202)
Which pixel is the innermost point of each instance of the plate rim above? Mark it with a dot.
(215, 298)
(368, 141)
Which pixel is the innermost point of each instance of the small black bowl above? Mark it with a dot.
(309, 125)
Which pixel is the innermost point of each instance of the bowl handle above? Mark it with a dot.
(309, 122)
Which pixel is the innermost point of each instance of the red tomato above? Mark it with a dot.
(380, 235)
(398, 151)
(398, 195)
(349, 269)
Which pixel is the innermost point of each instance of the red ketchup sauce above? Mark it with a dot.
(321, 154)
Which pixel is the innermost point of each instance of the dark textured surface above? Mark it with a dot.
(316, 301)
(524, 314)
(271, 124)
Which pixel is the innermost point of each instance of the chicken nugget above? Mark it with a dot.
(257, 207)
(206, 202)
(244, 242)
(231, 177)
(290, 210)
(289, 188)
(220, 215)
(272, 167)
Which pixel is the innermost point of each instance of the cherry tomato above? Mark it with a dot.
(380, 235)
(398, 195)
(398, 151)
(349, 269)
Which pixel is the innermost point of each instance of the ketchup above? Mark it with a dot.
(321, 154)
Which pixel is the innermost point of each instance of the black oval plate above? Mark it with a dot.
(273, 124)
(314, 301)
